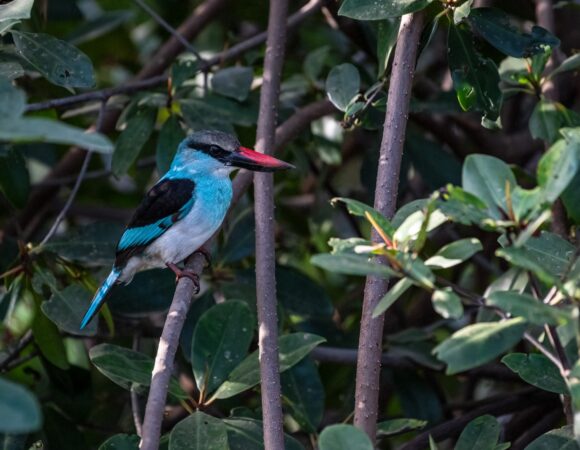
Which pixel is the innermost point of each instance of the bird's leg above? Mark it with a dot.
(180, 273)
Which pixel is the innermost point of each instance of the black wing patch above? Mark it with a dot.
(165, 203)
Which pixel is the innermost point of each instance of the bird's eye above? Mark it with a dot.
(214, 150)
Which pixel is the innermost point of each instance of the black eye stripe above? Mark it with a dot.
(212, 150)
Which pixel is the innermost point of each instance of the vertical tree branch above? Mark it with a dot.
(391, 151)
(264, 213)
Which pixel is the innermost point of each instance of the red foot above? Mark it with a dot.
(181, 273)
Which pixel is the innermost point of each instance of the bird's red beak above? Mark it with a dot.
(258, 162)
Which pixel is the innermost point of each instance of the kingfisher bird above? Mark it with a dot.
(183, 210)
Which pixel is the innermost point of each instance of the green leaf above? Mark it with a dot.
(315, 62)
(19, 409)
(45, 130)
(571, 198)
(387, 33)
(557, 168)
(548, 256)
(66, 309)
(234, 82)
(92, 244)
(479, 343)
(15, 10)
(13, 100)
(373, 10)
(560, 438)
(127, 368)
(475, 77)
(351, 265)
(121, 442)
(170, 136)
(462, 11)
(413, 225)
(291, 349)
(342, 85)
(344, 437)
(60, 62)
(486, 177)
(545, 121)
(447, 303)
(570, 63)
(49, 340)
(392, 295)
(132, 139)
(493, 25)
(526, 306)
(394, 427)
(537, 370)
(247, 434)
(199, 431)
(360, 209)
(220, 341)
(14, 178)
(479, 434)
(454, 253)
(303, 391)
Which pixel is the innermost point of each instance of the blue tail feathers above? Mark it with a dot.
(101, 296)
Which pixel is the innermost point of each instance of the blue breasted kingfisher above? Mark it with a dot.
(183, 210)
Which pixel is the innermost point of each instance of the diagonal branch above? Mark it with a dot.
(391, 151)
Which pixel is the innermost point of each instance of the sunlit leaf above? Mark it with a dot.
(447, 303)
(454, 253)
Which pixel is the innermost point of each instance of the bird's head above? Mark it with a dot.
(213, 150)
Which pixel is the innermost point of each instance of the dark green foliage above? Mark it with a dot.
(481, 255)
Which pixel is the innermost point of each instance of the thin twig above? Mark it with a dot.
(12, 355)
(78, 183)
(161, 21)
(371, 334)
(135, 408)
(265, 231)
